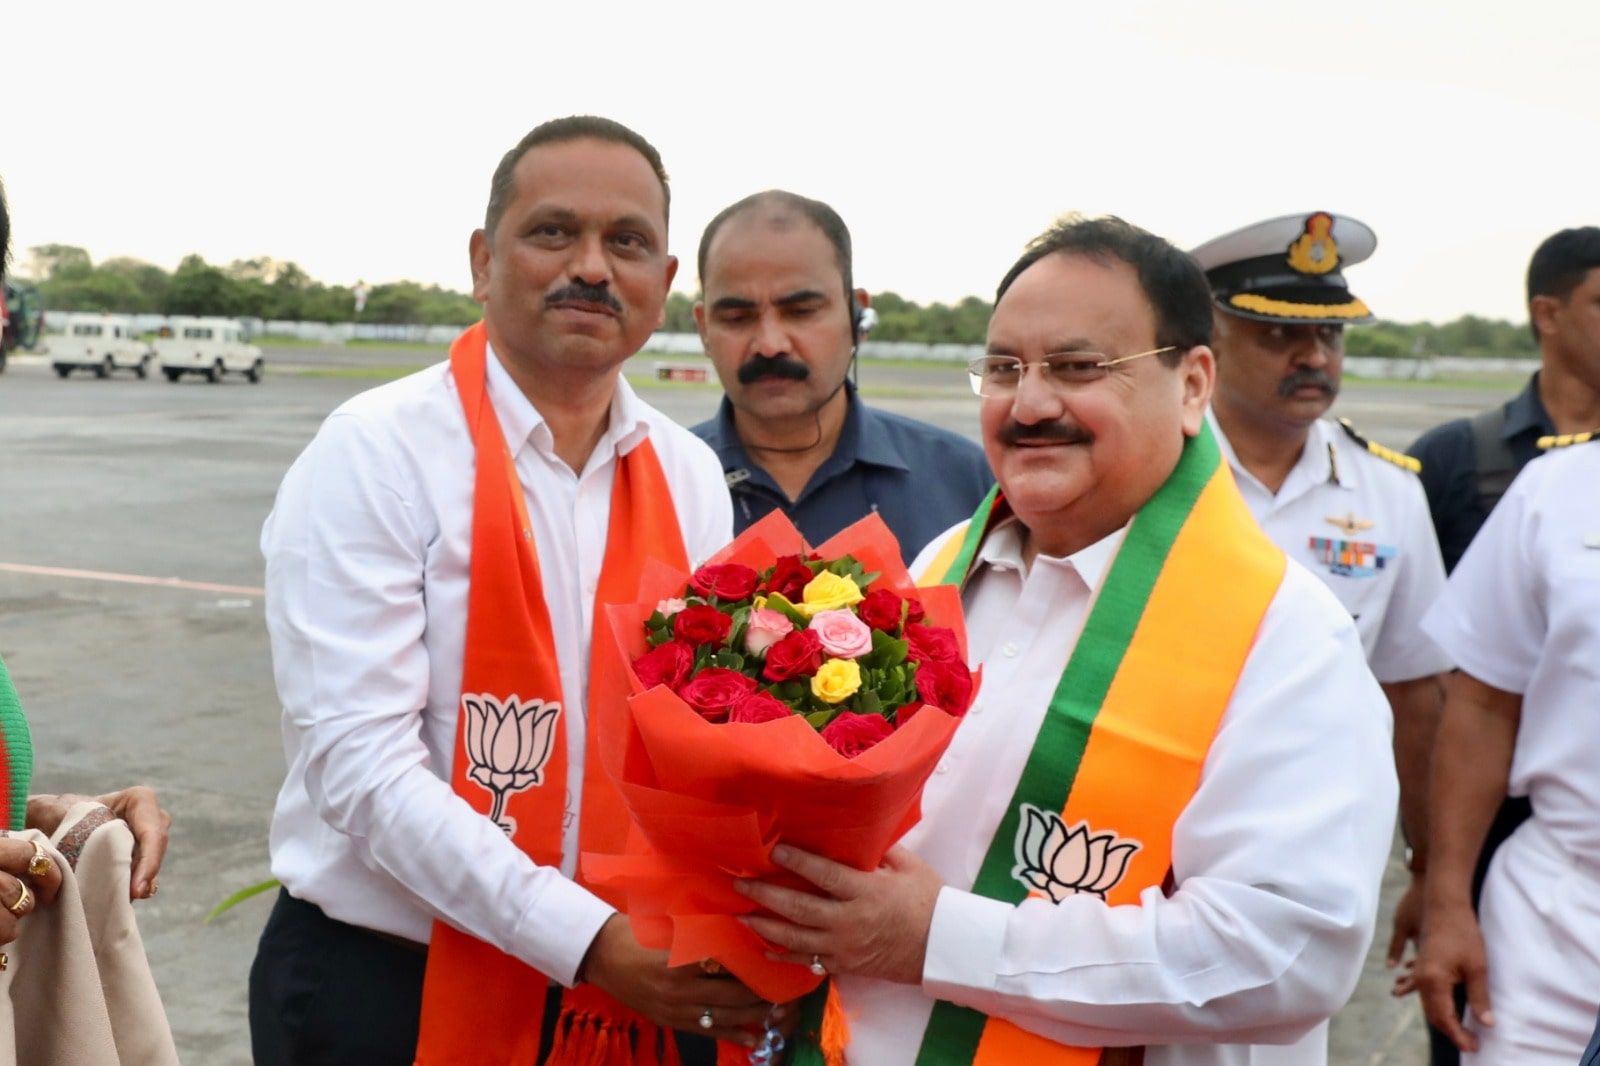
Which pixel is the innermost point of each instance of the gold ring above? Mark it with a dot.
(705, 1019)
(5, 960)
(816, 966)
(40, 864)
(24, 901)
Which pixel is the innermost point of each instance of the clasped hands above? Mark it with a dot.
(871, 924)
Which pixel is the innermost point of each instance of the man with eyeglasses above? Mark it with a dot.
(1157, 836)
(1351, 510)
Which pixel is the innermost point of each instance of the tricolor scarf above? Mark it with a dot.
(480, 1005)
(1119, 753)
(16, 755)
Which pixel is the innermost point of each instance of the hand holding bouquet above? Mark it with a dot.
(777, 694)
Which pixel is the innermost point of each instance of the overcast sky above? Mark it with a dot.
(357, 139)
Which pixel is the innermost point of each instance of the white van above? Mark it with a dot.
(209, 346)
(101, 343)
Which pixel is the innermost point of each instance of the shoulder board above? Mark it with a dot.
(1388, 455)
(1563, 440)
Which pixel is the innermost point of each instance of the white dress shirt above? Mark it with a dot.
(368, 551)
(1277, 857)
(1339, 491)
(1522, 613)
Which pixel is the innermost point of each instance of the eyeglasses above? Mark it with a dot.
(997, 376)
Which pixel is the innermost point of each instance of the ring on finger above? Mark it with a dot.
(40, 864)
(705, 1019)
(816, 966)
(24, 900)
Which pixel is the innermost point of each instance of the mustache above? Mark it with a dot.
(1300, 379)
(1014, 432)
(780, 366)
(582, 292)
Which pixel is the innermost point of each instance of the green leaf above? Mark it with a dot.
(239, 897)
(778, 603)
(886, 652)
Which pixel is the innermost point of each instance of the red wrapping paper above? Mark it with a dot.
(709, 801)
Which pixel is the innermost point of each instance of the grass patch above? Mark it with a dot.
(353, 373)
(418, 346)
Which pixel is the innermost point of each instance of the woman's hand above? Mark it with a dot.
(29, 879)
(138, 807)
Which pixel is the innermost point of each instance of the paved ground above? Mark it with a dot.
(166, 680)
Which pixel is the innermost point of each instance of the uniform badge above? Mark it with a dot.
(1349, 525)
(1315, 251)
(1352, 558)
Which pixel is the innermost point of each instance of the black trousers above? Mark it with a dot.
(323, 993)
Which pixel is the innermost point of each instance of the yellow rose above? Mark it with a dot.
(828, 592)
(836, 680)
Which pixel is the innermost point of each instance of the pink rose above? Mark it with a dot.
(946, 685)
(701, 624)
(932, 644)
(759, 706)
(713, 692)
(671, 607)
(842, 634)
(767, 627)
(665, 664)
(796, 655)
(851, 734)
(728, 581)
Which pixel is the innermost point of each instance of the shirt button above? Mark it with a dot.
(1009, 650)
(975, 709)
(943, 767)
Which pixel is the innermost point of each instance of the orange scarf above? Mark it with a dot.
(480, 1005)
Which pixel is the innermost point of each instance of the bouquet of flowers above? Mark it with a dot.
(778, 694)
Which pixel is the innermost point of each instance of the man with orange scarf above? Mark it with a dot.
(1159, 832)
(436, 563)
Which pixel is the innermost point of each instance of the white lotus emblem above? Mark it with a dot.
(508, 744)
(1062, 862)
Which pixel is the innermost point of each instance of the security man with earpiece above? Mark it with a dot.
(780, 319)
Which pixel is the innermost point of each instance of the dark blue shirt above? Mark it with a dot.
(1450, 468)
(920, 479)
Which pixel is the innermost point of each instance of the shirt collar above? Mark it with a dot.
(1525, 413)
(864, 437)
(521, 422)
(1324, 459)
(1002, 549)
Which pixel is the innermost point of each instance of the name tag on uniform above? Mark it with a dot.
(1352, 558)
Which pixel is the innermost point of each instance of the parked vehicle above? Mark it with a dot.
(99, 343)
(210, 347)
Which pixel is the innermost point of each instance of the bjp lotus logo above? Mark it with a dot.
(507, 744)
(1062, 862)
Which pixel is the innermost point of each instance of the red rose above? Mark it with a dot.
(851, 734)
(759, 706)
(880, 609)
(946, 685)
(906, 713)
(701, 624)
(729, 581)
(789, 578)
(914, 611)
(796, 655)
(932, 644)
(665, 664)
(713, 692)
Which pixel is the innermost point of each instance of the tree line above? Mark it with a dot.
(272, 289)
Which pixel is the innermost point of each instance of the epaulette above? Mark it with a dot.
(1400, 459)
(1562, 440)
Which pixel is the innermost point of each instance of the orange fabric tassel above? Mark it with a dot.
(835, 1036)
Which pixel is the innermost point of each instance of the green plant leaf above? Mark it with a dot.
(239, 897)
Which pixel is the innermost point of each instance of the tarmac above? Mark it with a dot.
(131, 620)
